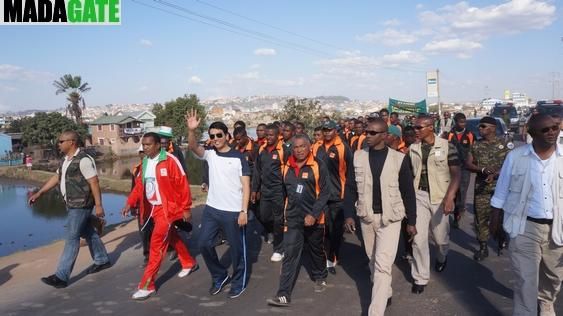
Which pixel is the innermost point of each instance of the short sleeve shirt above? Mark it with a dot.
(225, 186)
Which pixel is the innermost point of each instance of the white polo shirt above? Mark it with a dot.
(225, 187)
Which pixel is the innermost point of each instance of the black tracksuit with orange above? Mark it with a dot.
(339, 161)
(307, 193)
(267, 179)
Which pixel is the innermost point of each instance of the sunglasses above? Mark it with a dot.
(419, 127)
(373, 133)
(65, 140)
(547, 129)
(218, 135)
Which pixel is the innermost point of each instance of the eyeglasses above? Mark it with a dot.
(419, 127)
(373, 133)
(546, 129)
(218, 135)
(65, 140)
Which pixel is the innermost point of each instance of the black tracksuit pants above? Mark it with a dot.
(334, 230)
(297, 241)
(270, 215)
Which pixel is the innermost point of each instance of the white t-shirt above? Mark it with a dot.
(151, 185)
(87, 168)
(225, 187)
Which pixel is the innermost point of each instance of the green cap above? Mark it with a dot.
(330, 125)
(394, 130)
(165, 131)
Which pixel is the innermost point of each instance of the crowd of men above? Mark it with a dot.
(375, 176)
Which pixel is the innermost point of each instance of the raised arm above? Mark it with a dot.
(192, 122)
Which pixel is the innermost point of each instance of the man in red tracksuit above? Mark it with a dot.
(162, 190)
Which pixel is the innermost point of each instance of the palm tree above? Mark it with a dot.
(75, 88)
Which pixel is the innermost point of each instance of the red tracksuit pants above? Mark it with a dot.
(163, 235)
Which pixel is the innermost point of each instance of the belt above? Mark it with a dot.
(544, 221)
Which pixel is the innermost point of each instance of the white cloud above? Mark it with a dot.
(145, 42)
(350, 61)
(284, 82)
(265, 52)
(249, 75)
(255, 66)
(463, 48)
(7, 88)
(392, 22)
(195, 80)
(513, 16)
(403, 57)
(389, 37)
(419, 6)
(17, 73)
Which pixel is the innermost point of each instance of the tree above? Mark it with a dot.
(174, 111)
(74, 88)
(45, 128)
(304, 110)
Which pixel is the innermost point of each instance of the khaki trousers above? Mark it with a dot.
(381, 244)
(429, 219)
(538, 264)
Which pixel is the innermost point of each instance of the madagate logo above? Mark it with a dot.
(60, 12)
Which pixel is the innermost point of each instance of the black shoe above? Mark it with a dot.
(233, 293)
(95, 268)
(390, 301)
(279, 301)
(218, 287)
(54, 281)
(332, 270)
(440, 266)
(417, 288)
(482, 253)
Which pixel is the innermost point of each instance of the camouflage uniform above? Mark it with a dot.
(486, 155)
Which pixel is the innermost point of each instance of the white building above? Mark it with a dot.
(519, 99)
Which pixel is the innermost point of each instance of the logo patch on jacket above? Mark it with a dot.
(163, 173)
(274, 156)
(305, 175)
(332, 155)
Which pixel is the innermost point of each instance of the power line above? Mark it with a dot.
(269, 25)
(239, 28)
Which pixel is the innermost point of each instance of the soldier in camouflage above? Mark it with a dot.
(485, 158)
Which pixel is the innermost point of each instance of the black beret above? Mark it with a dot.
(488, 120)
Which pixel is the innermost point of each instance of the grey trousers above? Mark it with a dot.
(538, 264)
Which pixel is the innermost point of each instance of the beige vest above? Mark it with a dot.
(391, 201)
(437, 168)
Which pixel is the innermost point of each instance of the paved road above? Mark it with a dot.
(464, 288)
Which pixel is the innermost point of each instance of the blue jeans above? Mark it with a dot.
(211, 221)
(78, 225)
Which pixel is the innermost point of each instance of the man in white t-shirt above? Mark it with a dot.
(79, 186)
(226, 207)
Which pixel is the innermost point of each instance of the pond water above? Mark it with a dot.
(26, 227)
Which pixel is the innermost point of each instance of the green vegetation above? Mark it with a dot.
(173, 112)
(74, 88)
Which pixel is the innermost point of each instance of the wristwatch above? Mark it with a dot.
(243, 211)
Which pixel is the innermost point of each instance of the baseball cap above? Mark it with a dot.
(165, 131)
(394, 130)
(329, 125)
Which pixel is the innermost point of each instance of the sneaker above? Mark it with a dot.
(217, 287)
(280, 301)
(95, 268)
(54, 281)
(188, 271)
(320, 286)
(235, 293)
(141, 294)
(276, 257)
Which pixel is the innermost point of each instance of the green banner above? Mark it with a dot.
(403, 107)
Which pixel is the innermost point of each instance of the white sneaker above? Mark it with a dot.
(276, 257)
(186, 272)
(546, 309)
(142, 294)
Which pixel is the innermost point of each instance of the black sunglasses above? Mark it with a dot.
(373, 133)
(65, 140)
(419, 127)
(546, 129)
(218, 135)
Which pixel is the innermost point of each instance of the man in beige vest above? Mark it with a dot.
(384, 192)
(436, 168)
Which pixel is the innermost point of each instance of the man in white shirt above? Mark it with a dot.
(530, 192)
(80, 188)
(226, 207)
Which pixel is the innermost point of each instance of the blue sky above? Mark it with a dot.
(359, 49)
